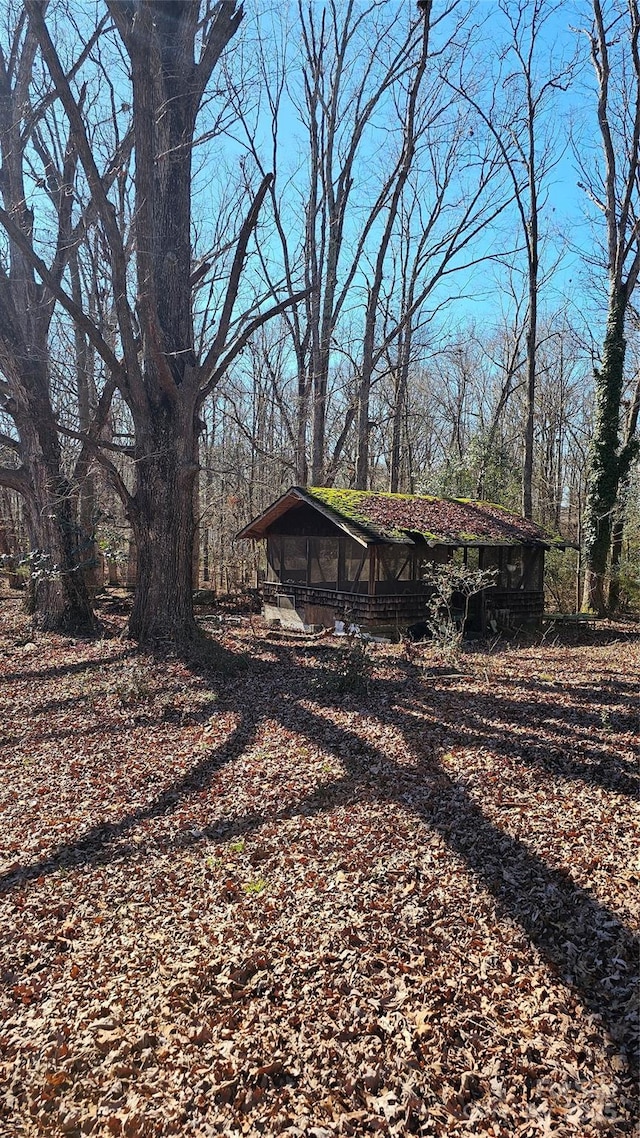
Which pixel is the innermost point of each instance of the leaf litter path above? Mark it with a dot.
(254, 906)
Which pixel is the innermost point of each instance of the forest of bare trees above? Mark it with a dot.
(373, 245)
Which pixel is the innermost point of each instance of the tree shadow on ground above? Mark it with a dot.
(567, 750)
(585, 944)
(96, 846)
(56, 671)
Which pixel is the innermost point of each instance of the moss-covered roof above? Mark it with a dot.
(406, 518)
(447, 521)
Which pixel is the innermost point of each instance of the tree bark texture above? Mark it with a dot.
(628, 454)
(163, 521)
(604, 469)
(164, 403)
(58, 598)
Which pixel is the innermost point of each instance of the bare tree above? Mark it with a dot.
(368, 86)
(352, 60)
(508, 362)
(397, 183)
(614, 189)
(517, 115)
(172, 51)
(58, 597)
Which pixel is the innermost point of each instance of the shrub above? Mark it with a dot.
(451, 585)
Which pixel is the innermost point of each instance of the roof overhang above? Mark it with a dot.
(292, 500)
(257, 528)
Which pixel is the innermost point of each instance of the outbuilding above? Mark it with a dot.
(365, 557)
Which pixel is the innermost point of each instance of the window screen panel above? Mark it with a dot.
(356, 562)
(395, 564)
(323, 561)
(294, 557)
(426, 559)
(514, 567)
(533, 569)
(492, 558)
(274, 557)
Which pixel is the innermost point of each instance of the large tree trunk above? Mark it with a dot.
(57, 597)
(619, 121)
(604, 469)
(164, 526)
(617, 536)
(166, 461)
(629, 452)
(158, 376)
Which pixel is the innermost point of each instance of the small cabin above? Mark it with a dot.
(364, 557)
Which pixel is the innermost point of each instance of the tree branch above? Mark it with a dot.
(36, 113)
(246, 231)
(225, 23)
(243, 340)
(105, 209)
(15, 479)
(95, 444)
(83, 322)
(116, 480)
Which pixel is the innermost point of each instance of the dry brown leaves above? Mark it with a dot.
(249, 907)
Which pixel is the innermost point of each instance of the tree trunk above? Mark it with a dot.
(616, 558)
(162, 517)
(319, 420)
(57, 596)
(410, 131)
(619, 121)
(88, 492)
(604, 470)
(629, 452)
(532, 332)
(302, 419)
(397, 421)
(9, 546)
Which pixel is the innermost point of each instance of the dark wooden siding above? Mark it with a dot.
(305, 522)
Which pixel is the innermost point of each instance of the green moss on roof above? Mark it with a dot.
(352, 506)
(403, 517)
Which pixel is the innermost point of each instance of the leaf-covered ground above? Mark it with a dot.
(262, 905)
